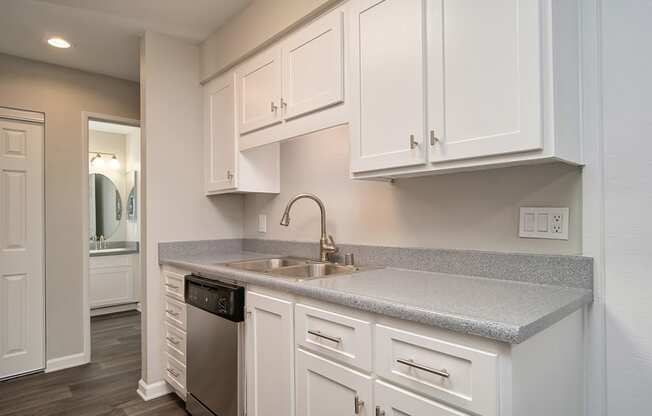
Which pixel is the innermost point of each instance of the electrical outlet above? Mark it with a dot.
(541, 222)
(262, 223)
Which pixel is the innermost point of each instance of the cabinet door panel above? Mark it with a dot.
(270, 357)
(484, 78)
(398, 402)
(314, 66)
(325, 388)
(259, 85)
(220, 137)
(111, 286)
(387, 84)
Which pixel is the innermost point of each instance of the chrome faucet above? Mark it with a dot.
(326, 244)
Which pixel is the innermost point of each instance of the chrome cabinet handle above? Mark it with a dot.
(283, 103)
(171, 286)
(229, 175)
(410, 363)
(433, 139)
(358, 404)
(413, 142)
(273, 107)
(328, 337)
(379, 412)
(174, 373)
(171, 312)
(172, 340)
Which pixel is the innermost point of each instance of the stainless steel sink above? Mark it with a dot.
(312, 271)
(267, 265)
(293, 268)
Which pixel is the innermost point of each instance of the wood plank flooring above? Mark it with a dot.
(105, 387)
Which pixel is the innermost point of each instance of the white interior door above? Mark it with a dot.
(22, 332)
(484, 77)
(388, 84)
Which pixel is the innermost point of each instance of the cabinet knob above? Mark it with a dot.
(229, 175)
(413, 142)
(358, 404)
(379, 412)
(433, 139)
(273, 106)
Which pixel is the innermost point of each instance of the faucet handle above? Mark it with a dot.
(331, 242)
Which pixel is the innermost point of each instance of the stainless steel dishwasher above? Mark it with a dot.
(215, 347)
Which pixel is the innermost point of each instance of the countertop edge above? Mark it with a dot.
(497, 331)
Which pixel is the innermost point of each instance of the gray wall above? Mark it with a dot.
(476, 210)
(62, 94)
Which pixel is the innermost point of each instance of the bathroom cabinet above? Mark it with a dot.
(113, 281)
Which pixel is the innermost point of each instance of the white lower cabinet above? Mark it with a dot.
(325, 388)
(269, 355)
(174, 329)
(393, 401)
(112, 280)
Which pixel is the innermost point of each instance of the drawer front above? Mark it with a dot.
(110, 261)
(340, 337)
(394, 401)
(175, 312)
(175, 342)
(463, 376)
(173, 285)
(175, 374)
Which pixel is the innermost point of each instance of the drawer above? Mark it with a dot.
(175, 342)
(175, 312)
(413, 360)
(110, 261)
(173, 285)
(394, 401)
(175, 374)
(333, 335)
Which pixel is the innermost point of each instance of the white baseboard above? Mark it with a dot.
(151, 391)
(69, 361)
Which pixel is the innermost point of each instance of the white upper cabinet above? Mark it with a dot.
(226, 168)
(259, 86)
(484, 72)
(492, 83)
(388, 84)
(313, 66)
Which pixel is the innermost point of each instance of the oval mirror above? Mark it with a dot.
(105, 206)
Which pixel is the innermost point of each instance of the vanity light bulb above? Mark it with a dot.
(98, 162)
(115, 163)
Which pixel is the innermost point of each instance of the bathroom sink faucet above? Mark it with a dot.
(326, 244)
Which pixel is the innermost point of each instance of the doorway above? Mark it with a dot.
(22, 235)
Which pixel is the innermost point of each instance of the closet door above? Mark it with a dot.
(259, 91)
(484, 78)
(388, 85)
(22, 345)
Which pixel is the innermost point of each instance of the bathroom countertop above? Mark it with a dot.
(114, 248)
(501, 310)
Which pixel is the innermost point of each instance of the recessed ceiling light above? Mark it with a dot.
(59, 43)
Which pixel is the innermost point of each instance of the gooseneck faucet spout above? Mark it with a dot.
(326, 244)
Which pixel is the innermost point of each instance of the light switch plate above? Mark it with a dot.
(542, 222)
(262, 223)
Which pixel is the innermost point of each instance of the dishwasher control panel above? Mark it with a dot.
(219, 298)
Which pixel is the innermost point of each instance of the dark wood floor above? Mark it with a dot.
(106, 386)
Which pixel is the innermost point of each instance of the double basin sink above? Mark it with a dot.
(293, 268)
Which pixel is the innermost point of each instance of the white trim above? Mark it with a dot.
(152, 391)
(107, 310)
(593, 234)
(68, 361)
(86, 310)
(22, 115)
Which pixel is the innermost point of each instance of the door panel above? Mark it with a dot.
(259, 91)
(21, 248)
(387, 84)
(220, 147)
(314, 66)
(398, 402)
(484, 78)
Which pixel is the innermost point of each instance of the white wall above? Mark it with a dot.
(476, 210)
(627, 124)
(172, 162)
(132, 166)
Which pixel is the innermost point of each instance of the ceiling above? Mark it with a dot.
(105, 33)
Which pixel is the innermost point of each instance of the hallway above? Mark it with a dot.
(106, 386)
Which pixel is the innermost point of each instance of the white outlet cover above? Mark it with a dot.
(544, 222)
(262, 223)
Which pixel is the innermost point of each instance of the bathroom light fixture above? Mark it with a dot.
(114, 163)
(58, 42)
(97, 161)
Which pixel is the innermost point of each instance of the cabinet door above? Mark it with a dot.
(484, 78)
(325, 388)
(270, 356)
(111, 286)
(313, 66)
(388, 70)
(220, 144)
(259, 86)
(392, 401)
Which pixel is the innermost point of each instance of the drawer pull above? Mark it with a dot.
(379, 412)
(318, 334)
(173, 373)
(358, 404)
(172, 286)
(171, 312)
(411, 363)
(172, 340)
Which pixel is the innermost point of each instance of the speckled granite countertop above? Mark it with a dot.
(502, 310)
